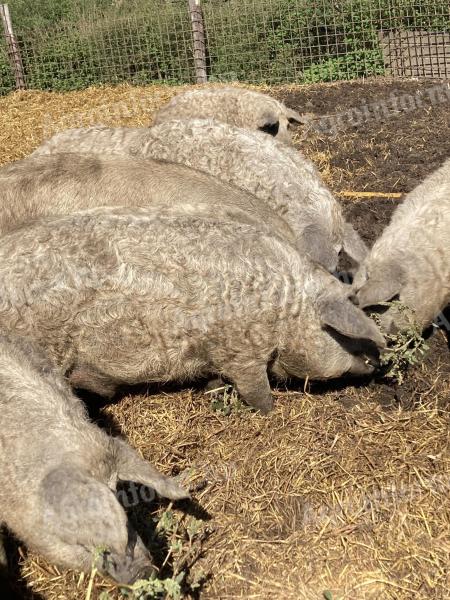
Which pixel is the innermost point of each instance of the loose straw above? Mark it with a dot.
(370, 194)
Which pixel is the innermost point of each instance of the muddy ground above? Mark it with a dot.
(343, 491)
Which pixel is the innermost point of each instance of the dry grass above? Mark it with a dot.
(28, 117)
(25, 116)
(343, 488)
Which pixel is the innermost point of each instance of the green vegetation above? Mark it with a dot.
(225, 401)
(69, 45)
(406, 347)
(183, 536)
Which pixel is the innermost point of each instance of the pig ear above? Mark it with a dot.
(382, 285)
(294, 117)
(269, 123)
(270, 128)
(353, 244)
(131, 467)
(319, 248)
(78, 509)
(346, 318)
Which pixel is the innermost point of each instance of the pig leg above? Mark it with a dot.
(86, 378)
(253, 385)
(3, 557)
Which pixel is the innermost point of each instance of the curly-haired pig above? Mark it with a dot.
(411, 259)
(121, 296)
(59, 471)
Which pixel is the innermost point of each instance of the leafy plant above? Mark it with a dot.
(225, 401)
(184, 536)
(154, 588)
(406, 347)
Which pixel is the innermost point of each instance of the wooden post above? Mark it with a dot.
(198, 34)
(13, 47)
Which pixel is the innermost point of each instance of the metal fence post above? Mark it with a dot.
(13, 47)
(198, 34)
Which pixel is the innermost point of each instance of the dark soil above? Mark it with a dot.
(369, 216)
(392, 153)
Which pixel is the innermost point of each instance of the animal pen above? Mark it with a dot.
(343, 492)
(257, 41)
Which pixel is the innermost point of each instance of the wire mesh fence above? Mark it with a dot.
(6, 72)
(257, 41)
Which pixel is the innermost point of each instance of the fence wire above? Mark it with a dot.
(6, 72)
(257, 41)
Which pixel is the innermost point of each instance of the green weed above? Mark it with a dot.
(184, 536)
(225, 401)
(405, 347)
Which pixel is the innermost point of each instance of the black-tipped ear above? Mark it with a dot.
(353, 244)
(382, 285)
(270, 125)
(319, 248)
(131, 467)
(349, 320)
(294, 117)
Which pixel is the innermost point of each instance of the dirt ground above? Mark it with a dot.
(341, 492)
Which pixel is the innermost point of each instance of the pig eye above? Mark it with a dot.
(271, 128)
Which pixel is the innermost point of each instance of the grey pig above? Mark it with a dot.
(411, 259)
(63, 183)
(122, 296)
(58, 472)
(277, 175)
(236, 106)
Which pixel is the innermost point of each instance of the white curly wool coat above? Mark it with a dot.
(122, 296)
(277, 175)
(65, 182)
(59, 471)
(236, 106)
(411, 259)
